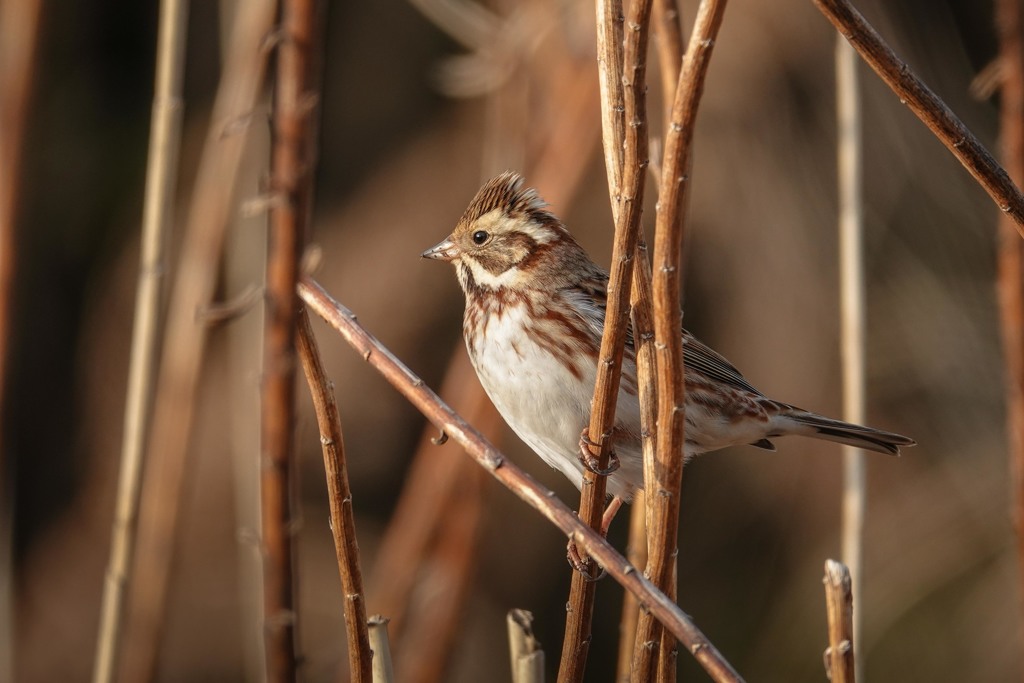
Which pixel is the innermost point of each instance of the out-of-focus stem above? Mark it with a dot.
(851, 311)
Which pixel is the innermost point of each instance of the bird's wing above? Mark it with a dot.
(591, 296)
(699, 357)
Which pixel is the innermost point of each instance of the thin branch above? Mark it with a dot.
(292, 164)
(663, 491)
(636, 555)
(161, 177)
(633, 653)
(668, 37)
(579, 611)
(851, 308)
(609, 72)
(839, 657)
(1010, 26)
(343, 525)
(185, 339)
(513, 478)
(932, 111)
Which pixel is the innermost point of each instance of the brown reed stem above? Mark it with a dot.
(668, 38)
(513, 478)
(609, 73)
(663, 491)
(185, 338)
(161, 177)
(928, 107)
(339, 494)
(291, 191)
(579, 610)
(1010, 257)
(839, 657)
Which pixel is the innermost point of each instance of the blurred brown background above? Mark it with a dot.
(399, 160)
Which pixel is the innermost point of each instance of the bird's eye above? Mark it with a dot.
(480, 236)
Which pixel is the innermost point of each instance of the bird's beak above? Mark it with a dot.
(442, 251)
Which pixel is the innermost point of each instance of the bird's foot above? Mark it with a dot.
(592, 463)
(584, 565)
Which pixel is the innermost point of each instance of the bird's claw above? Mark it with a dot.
(583, 566)
(592, 463)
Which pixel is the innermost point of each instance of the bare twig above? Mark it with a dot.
(851, 307)
(668, 37)
(579, 611)
(636, 555)
(524, 651)
(343, 526)
(185, 340)
(839, 656)
(633, 652)
(932, 111)
(292, 165)
(1010, 24)
(663, 491)
(609, 70)
(382, 670)
(161, 176)
(512, 477)
(19, 35)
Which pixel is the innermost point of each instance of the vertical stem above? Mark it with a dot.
(1010, 25)
(852, 311)
(579, 611)
(161, 174)
(663, 493)
(291, 188)
(343, 525)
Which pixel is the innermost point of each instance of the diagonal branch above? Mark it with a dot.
(932, 111)
(516, 480)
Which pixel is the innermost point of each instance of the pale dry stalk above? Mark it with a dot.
(161, 177)
(339, 494)
(524, 651)
(852, 309)
(513, 478)
(927, 106)
(579, 610)
(663, 491)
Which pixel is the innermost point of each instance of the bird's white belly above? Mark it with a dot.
(541, 399)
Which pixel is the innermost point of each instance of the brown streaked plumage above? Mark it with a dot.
(535, 306)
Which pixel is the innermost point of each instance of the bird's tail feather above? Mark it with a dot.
(820, 427)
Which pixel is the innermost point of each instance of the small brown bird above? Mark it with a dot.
(535, 307)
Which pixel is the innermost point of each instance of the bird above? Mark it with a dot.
(534, 315)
